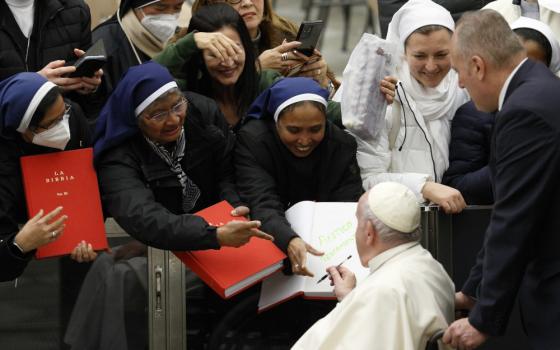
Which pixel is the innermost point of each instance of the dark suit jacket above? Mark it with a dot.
(521, 249)
(469, 154)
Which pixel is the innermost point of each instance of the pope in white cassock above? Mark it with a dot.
(407, 296)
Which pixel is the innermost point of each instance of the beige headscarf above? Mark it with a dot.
(140, 36)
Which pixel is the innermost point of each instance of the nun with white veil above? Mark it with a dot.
(412, 147)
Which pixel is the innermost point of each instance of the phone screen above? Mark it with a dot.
(308, 34)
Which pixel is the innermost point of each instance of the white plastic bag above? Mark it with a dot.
(363, 105)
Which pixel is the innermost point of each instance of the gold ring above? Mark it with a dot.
(296, 266)
(284, 56)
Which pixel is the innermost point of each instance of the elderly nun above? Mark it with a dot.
(289, 152)
(162, 155)
(413, 145)
(34, 119)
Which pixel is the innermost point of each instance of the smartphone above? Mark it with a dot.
(87, 66)
(91, 61)
(308, 34)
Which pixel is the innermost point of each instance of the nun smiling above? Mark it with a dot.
(413, 145)
(162, 155)
(34, 119)
(289, 152)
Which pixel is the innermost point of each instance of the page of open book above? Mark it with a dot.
(333, 232)
(329, 227)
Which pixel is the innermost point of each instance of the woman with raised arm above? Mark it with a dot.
(413, 145)
(273, 38)
(215, 59)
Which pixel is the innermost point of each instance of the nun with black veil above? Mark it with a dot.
(34, 119)
(289, 152)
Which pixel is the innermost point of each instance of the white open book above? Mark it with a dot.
(330, 228)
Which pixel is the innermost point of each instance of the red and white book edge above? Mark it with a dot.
(193, 261)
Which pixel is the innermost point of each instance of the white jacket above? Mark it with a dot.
(424, 155)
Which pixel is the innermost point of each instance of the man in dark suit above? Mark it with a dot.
(521, 248)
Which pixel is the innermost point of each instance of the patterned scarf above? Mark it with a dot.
(191, 192)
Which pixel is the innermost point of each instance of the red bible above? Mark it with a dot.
(229, 271)
(66, 179)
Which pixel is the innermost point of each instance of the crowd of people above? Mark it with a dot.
(228, 109)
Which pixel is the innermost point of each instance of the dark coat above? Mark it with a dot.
(520, 252)
(469, 154)
(12, 200)
(264, 182)
(59, 27)
(387, 9)
(120, 56)
(145, 197)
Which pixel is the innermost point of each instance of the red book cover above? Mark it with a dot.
(66, 179)
(229, 271)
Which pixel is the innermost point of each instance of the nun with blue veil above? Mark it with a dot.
(289, 152)
(161, 156)
(34, 119)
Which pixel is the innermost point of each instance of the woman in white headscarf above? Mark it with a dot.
(546, 11)
(539, 41)
(413, 146)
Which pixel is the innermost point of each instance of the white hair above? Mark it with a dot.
(388, 234)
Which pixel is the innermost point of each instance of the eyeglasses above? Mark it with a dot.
(179, 108)
(40, 128)
(231, 2)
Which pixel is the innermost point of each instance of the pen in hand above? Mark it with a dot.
(337, 266)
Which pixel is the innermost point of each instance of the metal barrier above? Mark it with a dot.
(38, 308)
(455, 240)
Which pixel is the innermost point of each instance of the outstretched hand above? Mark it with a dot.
(448, 198)
(297, 253)
(237, 233)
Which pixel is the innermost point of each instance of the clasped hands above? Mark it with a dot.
(461, 334)
(57, 72)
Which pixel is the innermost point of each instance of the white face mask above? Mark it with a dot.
(55, 137)
(161, 26)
